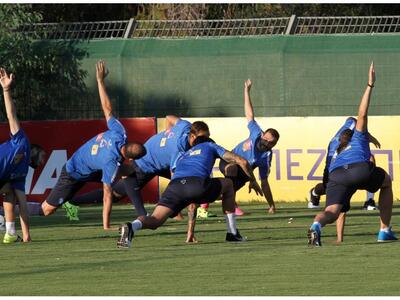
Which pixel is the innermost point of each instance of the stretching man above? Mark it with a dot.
(191, 183)
(162, 150)
(351, 170)
(98, 160)
(256, 149)
(16, 155)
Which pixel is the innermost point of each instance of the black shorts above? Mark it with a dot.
(344, 182)
(143, 178)
(2, 183)
(183, 191)
(239, 180)
(67, 186)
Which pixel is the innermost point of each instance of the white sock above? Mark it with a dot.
(313, 193)
(230, 220)
(386, 229)
(369, 196)
(136, 225)
(10, 228)
(317, 224)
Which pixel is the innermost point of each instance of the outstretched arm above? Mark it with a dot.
(231, 157)
(107, 205)
(364, 104)
(6, 82)
(248, 107)
(170, 121)
(101, 73)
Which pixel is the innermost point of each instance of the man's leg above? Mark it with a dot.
(386, 202)
(158, 217)
(9, 215)
(340, 222)
(315, 195)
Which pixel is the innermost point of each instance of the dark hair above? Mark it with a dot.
(202, 139)
(198, 126)
(34, 158)
(134, 150)
(344, 138)
(273, 132)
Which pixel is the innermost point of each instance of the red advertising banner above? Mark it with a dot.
(60, 139)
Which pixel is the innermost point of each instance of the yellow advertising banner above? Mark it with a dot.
(299, 157)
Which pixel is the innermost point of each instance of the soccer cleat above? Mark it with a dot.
(238, 211)
(202, 213)
(9, 239)
(235, 238)
(125, 235)
(72, 211)
(314, 237)
(313, 202)
(385, 236)
(370, 205)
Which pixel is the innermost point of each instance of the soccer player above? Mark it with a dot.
(191, 183)
(162, 150)
(350, 170)
(16, 155)
(98, 160)
(256, 149)
(320, 189)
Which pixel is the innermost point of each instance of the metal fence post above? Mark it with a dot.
(129, 28)
(291, 25)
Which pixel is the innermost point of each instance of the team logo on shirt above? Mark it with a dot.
(99, 137)
(246, 145)
(195, 152)
(18, 158)
(163, 142)
(95, 148)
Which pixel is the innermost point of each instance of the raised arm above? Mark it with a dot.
(101, 73)
(248, 107)
(362, 118)
(170, 121)
(231, 157)
(6, 82)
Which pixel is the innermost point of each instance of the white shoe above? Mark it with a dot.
(312, 206)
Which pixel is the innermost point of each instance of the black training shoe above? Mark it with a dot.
(235, 238)
(313, 202)
(370, 205)
(314, 237)
(125, 235)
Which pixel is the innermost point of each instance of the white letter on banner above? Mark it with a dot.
(55, 162)
(28, 180)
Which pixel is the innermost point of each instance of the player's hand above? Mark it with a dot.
(247, 85)
(371, 75)
(27, 239)
(191, 239)
(111, 228)
(101, 70)
(253, 185)
(377, 144)
(5, 79)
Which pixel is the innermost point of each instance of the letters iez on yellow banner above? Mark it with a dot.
(299, 157)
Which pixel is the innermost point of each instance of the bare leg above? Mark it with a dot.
(386, 202)
(48, 209)
(192, 212)
(329, 215)
(158, 217)
(340, 222)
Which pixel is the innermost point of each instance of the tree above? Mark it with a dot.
(48, 73)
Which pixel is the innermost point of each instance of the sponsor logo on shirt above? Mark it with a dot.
(99, 137)
(246, 145)
(195, 152)
(18, 158)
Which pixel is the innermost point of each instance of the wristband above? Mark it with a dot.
(370, 85)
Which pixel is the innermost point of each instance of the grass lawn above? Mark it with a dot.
(79, 258)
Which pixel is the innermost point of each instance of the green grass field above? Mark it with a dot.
(80, 258)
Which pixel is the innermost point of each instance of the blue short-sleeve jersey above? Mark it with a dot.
(14, 160)
(198, 161)
(248, 150)
(101, 153)
(356, 151)
(334, 143)
(164, 148)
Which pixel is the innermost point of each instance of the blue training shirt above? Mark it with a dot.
(164, 148)
(101, 153)
(198, 161)
(248, 150)
(14, 160)
(356, 151)
(334, 143)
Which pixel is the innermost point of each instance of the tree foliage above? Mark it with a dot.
(47, 73)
